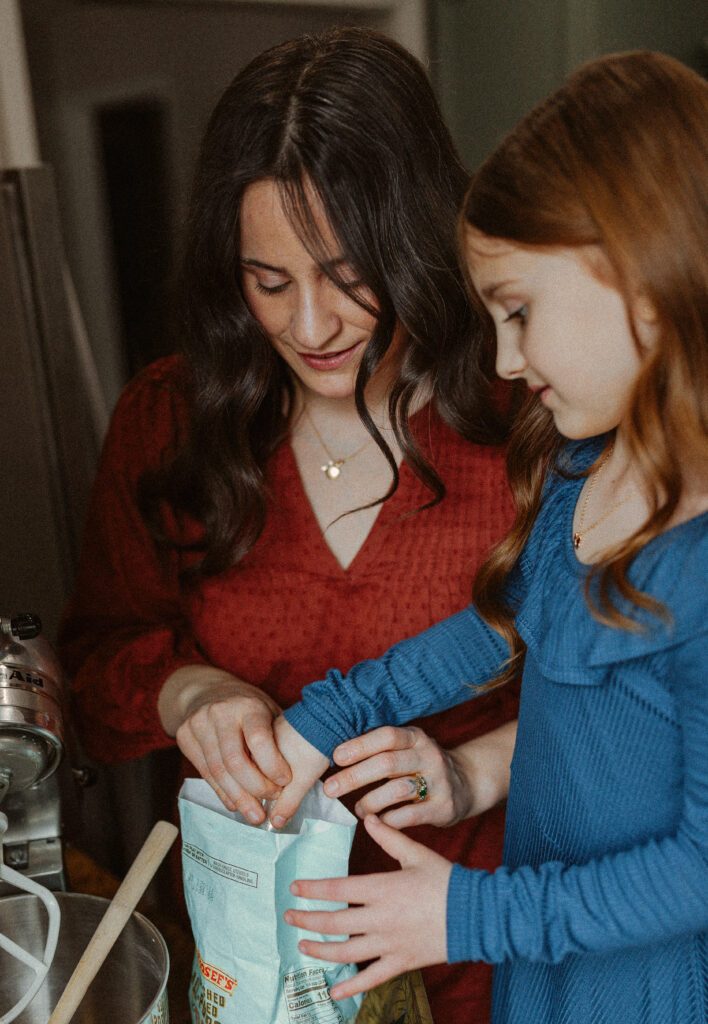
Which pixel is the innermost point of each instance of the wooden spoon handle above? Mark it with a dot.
(114, 920)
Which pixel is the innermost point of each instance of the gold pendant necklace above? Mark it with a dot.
(333, 467)
(580, 533)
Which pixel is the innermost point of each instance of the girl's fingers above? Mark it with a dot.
(396, 844)
(337, 952)
(350, 951)
(375, 974)
(346, 922)
(307, 765)
(357, 890)
(288, 802)
(259, 739)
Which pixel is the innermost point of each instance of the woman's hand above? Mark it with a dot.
(398, 918)
(224, 726)
(460, 783)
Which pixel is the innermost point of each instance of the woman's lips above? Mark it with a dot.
(330, 361)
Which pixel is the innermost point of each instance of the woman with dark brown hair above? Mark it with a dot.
(317, 475)
(584, 235)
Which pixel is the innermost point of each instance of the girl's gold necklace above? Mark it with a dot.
(580, 534)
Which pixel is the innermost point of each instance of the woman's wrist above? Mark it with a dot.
(192, 686)
(484, 764)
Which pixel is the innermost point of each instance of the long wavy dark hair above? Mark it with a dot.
(351, 113)
(617, 158)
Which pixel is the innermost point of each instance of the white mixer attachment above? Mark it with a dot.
(40, 967)
(31, 738)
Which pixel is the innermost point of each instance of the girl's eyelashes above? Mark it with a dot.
(519, 314)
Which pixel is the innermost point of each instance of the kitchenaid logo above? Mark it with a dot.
(14, 675)
(216, 977)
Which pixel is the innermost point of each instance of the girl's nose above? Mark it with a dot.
(314, 320)
(510, 362)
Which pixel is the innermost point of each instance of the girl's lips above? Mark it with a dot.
(330, 361)
(543, 391)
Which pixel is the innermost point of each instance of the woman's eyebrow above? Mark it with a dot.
(263, 266)
(333, 264)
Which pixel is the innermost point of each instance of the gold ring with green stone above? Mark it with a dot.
(421, 787)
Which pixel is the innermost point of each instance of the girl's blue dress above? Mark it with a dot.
(600, 912)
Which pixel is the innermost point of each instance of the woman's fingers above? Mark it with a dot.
(193, 752)
(407, 759)
(222, 738)
(387, 737)
(388, 765)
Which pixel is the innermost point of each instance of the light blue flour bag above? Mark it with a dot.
(247, 967)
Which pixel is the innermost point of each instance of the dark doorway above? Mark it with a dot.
(132, 137)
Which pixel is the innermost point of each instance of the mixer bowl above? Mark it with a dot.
(130, 987)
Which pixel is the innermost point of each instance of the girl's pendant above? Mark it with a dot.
(332, 470)
(576, 540)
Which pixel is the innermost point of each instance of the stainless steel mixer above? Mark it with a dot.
(31, 745)
(32, 698)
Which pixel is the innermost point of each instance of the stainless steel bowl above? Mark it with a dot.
(130, 987)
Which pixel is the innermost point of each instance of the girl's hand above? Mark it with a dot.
(307, 764)
(460, 783)
(224, 726)
(398, 918)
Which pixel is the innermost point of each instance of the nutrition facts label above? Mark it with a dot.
(307, 998)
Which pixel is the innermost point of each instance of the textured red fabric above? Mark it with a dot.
(286, 613)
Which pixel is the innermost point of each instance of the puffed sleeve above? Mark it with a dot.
(125, 629)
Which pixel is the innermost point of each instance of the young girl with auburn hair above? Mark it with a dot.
(584, 236)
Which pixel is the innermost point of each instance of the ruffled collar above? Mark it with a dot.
(554, 619)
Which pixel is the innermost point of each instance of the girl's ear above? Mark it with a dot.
(644, 310)
(646, 321)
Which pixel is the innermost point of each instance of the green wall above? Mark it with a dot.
(492, 60)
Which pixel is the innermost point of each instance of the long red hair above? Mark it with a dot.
(618, 158)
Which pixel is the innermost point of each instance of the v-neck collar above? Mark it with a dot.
(409, 495)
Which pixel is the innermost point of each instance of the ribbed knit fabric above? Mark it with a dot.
(600, 913)
(285, 614)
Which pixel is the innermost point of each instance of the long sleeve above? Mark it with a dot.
(124, 631)
(652, 892)
(435, 670)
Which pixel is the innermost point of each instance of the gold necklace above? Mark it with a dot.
(580, 533)
(333, 468)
